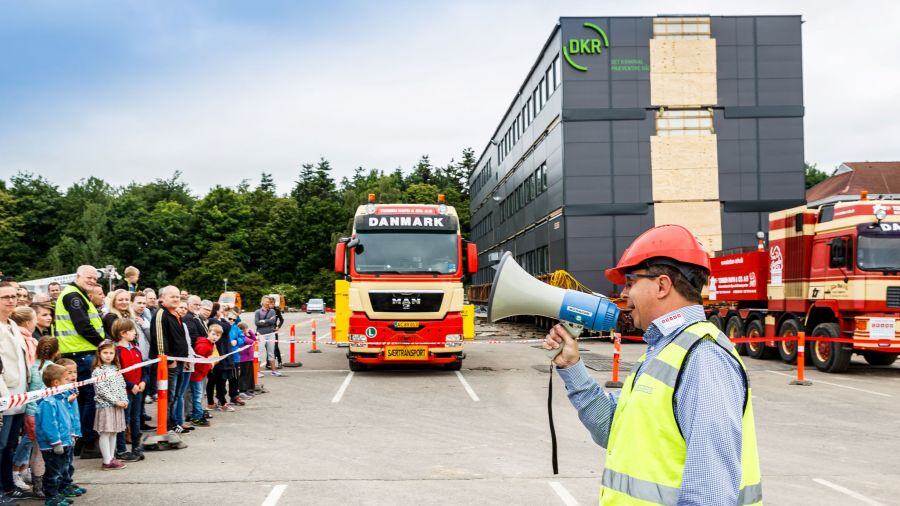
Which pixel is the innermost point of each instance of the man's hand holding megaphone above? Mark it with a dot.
(557, 337)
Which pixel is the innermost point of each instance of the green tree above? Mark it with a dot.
(421, 193)
(38, 204)
(814, 176)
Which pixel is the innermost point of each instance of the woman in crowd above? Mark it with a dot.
(43, 326)
(119, 304)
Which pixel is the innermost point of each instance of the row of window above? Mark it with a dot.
(534, 185)
(481, 179)
(536, 261)
(482, 227)
(684, 122)
(533, 105)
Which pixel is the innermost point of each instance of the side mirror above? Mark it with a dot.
(471, 258)
(340, 255)
(837, 256)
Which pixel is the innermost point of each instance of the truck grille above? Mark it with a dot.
(893, 296)
(426, 301)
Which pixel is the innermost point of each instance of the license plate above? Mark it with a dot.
(406, 325)
(406, 353)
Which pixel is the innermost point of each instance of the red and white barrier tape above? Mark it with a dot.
(18, 400)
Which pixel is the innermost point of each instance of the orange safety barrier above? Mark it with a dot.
(162, 396)
(617, 351)
(314, 349)
(293, 347)
(801, 361)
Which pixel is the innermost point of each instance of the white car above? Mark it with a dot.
(315, 306)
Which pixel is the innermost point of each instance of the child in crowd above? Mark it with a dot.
(57, 426)
(111, 399)
(245, 384)
(221, 371)
(236, 337)
(204, 347)
(46, 350)
(125, 333)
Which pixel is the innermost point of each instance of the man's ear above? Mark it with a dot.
(664, 286)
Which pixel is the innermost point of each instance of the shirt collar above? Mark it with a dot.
(672, 323)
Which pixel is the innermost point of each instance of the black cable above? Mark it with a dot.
(550, 416)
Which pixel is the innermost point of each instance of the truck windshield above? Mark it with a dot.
(879, 253)
(404, 253)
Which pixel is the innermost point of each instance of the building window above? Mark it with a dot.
(548, 82)
(557, 79)
(684, 122)
(681, 28)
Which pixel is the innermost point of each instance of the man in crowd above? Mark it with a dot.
(195, 324)
(152, 303)
(53, 289)
(167, 337)
(79, 330)
(97, 297)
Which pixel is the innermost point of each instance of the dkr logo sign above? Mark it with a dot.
(591, 46)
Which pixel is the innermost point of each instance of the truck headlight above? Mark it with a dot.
(453, 340)
(880, 213)
(359, 339)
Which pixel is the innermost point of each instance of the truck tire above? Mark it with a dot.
(788, 349)
(735, 329)
(877, 358)
(758, 351)
(453, 366)
(717, 321)
(829, 357)
(356, 366)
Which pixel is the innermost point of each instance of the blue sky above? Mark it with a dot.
(129, 90)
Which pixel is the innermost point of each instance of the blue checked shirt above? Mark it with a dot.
(709, 407)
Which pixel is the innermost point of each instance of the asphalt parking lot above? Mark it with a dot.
(324, 435)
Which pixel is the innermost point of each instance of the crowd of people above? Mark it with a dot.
(74, 333)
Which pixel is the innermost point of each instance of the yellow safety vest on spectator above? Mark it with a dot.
(69, 339)
(646, 451)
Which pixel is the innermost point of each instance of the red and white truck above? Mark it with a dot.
(831, 270)
(405, 264)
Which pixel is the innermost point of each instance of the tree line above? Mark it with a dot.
(259, 240)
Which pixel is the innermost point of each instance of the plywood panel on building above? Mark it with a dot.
(684, 168)
(703, 219)
(683, 72)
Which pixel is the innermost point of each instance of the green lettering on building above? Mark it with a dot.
(585, 46)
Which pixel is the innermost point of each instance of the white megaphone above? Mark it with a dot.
(515, 292)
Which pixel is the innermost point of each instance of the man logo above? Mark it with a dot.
(585, 46)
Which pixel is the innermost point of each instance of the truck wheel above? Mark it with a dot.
(717, 321)
(734, 329)
(788, 349)
(758, 350)
(829, 357)
(877, 358)
(356, 366)
(453, 366)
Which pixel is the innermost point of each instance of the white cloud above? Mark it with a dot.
(391, 84)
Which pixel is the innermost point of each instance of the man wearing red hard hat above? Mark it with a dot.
(681, 431)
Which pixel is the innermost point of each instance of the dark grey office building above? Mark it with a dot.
(624, 123)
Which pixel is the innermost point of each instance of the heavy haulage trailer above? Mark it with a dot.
(831, 271)
(405, 264)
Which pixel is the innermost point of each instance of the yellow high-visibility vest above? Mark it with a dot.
(69, 339)
(646, 452)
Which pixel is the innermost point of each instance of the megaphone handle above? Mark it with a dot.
(574, 329)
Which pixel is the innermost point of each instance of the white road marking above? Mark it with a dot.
(847, 491)
(344, 385)
(468, 387)
(274, 495)
(835, 385)
(563, 494)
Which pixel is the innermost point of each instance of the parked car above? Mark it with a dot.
(315, 306)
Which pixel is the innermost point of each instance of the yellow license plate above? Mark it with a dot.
(406, 325)
(406, 353)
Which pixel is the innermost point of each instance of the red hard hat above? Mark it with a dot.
(665, 241)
